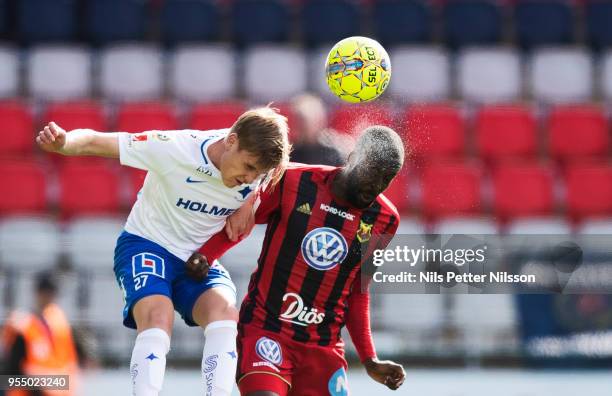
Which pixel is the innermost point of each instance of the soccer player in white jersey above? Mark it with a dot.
(195, 180)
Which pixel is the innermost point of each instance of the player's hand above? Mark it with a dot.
(197, 267)
(52, 138)
(240, 223)
(386, 372)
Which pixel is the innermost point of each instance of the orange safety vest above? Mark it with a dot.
(49, 348)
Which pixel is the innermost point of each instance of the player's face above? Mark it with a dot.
(238, 166)
(365, 183)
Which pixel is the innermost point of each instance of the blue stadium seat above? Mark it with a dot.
(46, 20)
(599, 27)
(402, 21)
(189, 20)
(328, 21)
(3, 17)
(115, 20)
(542, 22)
(471, 22)
(256, 21)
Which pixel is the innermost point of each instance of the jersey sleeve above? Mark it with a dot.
(267, 203)
(155, 151)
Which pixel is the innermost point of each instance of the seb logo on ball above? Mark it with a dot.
(296, 312)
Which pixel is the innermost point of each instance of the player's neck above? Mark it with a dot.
(214, 151)
(338, 185)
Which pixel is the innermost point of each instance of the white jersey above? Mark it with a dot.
(183, 201)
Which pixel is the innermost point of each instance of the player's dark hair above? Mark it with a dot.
(264, 132)
(46, 282)
(382, 148)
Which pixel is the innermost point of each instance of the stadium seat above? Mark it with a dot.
(75, 115)
(606, 75)
(420, 74)
(408, 21)
(434, 131)
(9, 72)
(411, 226)
(522, 190)
(328, 21)
(539, 226)
(451, 189)
(90, 242)
(274, 73)
(131, 72)
(353, 118)
(46, 20)
(88, 189)
(106, 301)
(59, 73)
(260, 21)
(109, 21)
(489, 75)
(317, 82)
(203, 73)
(543, 22)
(484, 320)
(39, 237)
(560, 75)
(23, 187)
(184, 21)
(578, 131)
(215, 115)
(506, 131)
(469, 22)
(598, 17)
(17, 128)
(136, 178)
(148, 116)
(475, 225)
(589, 190)
(596, 226)
(421, 314)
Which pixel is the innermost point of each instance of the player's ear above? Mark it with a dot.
(231, 140)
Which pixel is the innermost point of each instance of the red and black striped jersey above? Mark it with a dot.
(312, 255)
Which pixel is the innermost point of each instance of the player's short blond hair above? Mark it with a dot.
(263, 132)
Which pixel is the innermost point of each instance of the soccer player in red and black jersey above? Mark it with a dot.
(323, 224)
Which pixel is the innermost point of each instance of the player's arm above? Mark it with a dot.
(55, 139)
(358, 325)
(264, 203)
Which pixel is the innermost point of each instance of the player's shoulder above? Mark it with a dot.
(199, 135)
(387, 207)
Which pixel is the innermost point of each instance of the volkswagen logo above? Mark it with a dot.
(269, 350)
(323, 248)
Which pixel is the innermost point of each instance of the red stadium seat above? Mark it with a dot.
(18, 132)
(578, 131)
(434, 131)
(136, 179)
(215, 115)
(451, 189)
(589, 190)
(523, 190)
(23, 187)
(397, 192)
(353, 118)
(74, 115)
(148, 116)
(88, 189)
(506, 131)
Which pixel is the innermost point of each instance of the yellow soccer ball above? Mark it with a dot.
(358, 69)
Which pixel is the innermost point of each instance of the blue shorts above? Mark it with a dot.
(143, 268)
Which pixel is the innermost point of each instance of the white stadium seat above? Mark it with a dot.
(59, 72)
(274, 73)
(561, 75)
(606, 75)
(601, 226)
(90, 242)
(131, 72)
(29, 244)
(466, 225)
(201, 73)
(539, 226)
(9, 72)
(420, 74)
(488, 75)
